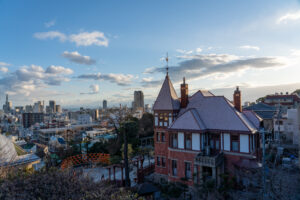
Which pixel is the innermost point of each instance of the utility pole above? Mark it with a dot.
(262, 131)
(125, 133)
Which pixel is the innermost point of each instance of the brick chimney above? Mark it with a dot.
(184, 94)
(237, 99)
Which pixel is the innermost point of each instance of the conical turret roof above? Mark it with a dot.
(167, 98)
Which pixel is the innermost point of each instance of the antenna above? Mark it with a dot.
(167, 60)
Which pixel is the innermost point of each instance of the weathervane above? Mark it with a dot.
(167, 60)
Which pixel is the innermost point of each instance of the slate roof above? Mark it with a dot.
(262, 110)
(253, 117)
(211, 113)
(167, 98)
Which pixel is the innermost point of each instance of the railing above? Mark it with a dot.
(209, 161)
(85, 159)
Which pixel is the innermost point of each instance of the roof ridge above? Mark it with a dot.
(235, 112)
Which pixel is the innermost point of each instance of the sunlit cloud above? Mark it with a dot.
(291, 16)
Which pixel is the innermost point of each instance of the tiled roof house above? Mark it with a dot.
(202, 134)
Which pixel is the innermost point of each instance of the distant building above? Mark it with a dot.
(58, 108)
(286, 101)
(84, 119)
(38, 107)
(264, 111)
(52, 106)
(30, 119)
(7, 106)
(19, 109)
(147, 108)
(104, 106)
(138, 100)
(28, 108)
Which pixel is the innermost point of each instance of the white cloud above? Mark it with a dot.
(184, 51)
(3, 64)
(198, 50)
(256, 48)
(217, 66)
(149, 70)
(291, 16)
(58, 70)
(295, 52)
(120, 79)
(94, 88)
(4, 69)
(27, 79)
(50, 35)
(77, 58)
(49, 24)
(81, 39)
(147, 79)
(87, 39)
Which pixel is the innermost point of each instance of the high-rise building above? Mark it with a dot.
(30, 119)
(7, 106)
(104, 104)
(28, 108)
(58, 108)
(38, 107)
(138, 100)
(52, 106)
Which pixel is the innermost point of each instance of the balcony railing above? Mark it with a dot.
(209, 161)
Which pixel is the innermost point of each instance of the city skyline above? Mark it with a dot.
(111, 51)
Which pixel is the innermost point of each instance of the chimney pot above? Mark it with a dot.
(237, 99)
(184, 94)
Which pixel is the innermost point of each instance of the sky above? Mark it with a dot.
(81, 52)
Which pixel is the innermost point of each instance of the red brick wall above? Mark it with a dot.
(181, 158)
(161, 149)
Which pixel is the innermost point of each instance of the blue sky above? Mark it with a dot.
(81, 52)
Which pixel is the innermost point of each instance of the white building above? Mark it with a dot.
(84, 119)
(288, 126)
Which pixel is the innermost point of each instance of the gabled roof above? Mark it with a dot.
(190, 119)
(214, 112)
(253, 117)
(167, 98)
(260, 107)
(263, 110)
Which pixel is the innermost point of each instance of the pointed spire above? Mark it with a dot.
(167, 68)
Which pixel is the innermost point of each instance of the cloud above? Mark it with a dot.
(77, 58)
(49, 24)
(291, 16)
(213, 65)
(198, 50)
(256, 48)
(3, 64)
(295, 52)
(27, 79)
(58, 70)
(4, 69)
(94, 89)
(184, 51)
(120, 79)
(81, 39)
(88, 39)
(50, 35)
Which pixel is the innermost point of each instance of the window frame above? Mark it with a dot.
(190, 170)
(235, 140)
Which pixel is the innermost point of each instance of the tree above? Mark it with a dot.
(128, 128)
(146, 125)
(56, 184)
